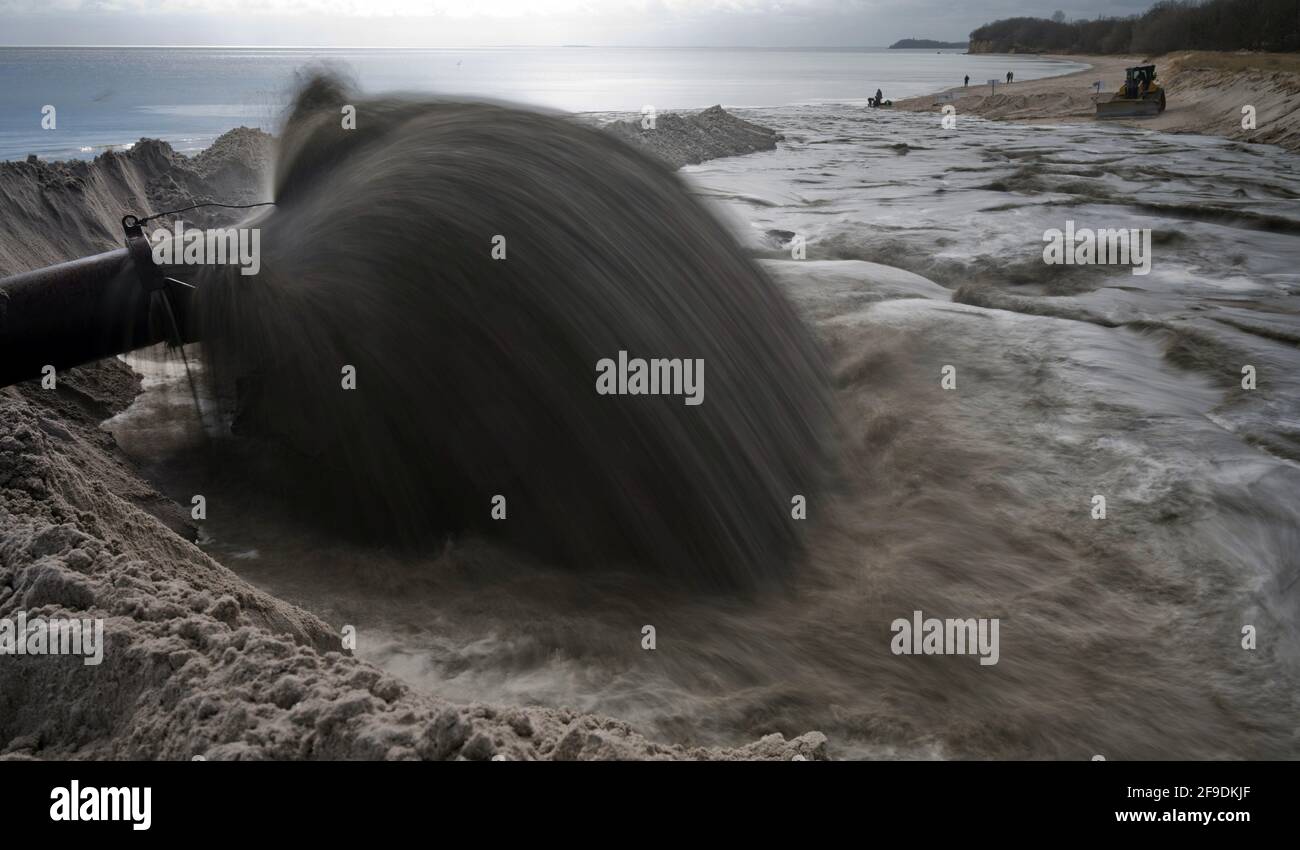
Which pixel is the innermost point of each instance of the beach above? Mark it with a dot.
(1206, 93)
(922, 251)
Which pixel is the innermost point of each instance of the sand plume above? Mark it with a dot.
(476, 376)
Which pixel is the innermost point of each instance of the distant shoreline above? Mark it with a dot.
(192, 116)
(928, 44)
(1206, 90)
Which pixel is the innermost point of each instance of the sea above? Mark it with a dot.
(110, 97)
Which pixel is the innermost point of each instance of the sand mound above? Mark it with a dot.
(690, 138)
(1207, 93)
(56, 211)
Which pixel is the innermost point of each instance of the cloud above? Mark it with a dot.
(441, 8)
(427, 23)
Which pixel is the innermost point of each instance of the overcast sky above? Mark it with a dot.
(463, 23)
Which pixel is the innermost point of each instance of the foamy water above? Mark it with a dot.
(1120, 637)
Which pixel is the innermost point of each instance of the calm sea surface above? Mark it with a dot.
(108, 97)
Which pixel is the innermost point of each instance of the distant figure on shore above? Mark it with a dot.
(1009, 76)
(967, 82)
(879, 97)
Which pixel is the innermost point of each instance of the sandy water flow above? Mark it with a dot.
(1119, 637)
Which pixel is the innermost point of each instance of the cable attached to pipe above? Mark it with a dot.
(141, 221)
(155, 282)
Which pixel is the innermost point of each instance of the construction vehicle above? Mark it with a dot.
(1140, 96)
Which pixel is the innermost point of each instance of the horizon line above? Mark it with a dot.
(480, 46)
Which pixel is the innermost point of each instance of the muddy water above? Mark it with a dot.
(1119, 636)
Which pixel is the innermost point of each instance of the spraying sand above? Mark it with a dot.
(476, 328)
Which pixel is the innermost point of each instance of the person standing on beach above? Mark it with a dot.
(1009, 76)
(967, 82)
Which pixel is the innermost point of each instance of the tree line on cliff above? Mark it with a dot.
(1272, 25)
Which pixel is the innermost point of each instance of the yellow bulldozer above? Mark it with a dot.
(1139, 97)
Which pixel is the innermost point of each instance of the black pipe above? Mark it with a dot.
(81, 311)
